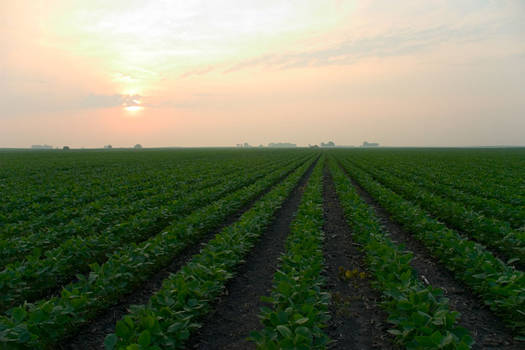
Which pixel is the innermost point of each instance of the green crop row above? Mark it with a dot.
(60, 188)
(420, 314)
(32, 278)
(501, 287)
(155, 210)
(46, 322)
(47, 198)
(113, 217)
(109, 219)
(107, 209)
(513, 214)
(496, 174)
(493, 233)
(42, 220)
(299, 305)
(173, 312)
(50, 189)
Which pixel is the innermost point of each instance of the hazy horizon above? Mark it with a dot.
(258, 146)
(203, 73)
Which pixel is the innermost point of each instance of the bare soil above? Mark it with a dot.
(485, 327)
(92, 335)
(236, 312)
(519, 265)
(357, 321)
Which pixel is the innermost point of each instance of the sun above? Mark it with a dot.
(132, 103)
(133, 108)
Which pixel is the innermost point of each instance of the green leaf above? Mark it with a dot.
(302, 320)
(303, 331)
(437, 338)
(447, 339)
(285, 331)
(144, 338)
(122, 330)
(110, 341)
(149, 322)
(18, 314)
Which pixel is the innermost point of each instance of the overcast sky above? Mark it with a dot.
(217, 73)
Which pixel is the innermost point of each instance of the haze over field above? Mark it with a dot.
(218, 73)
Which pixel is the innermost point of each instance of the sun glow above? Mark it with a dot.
(133, 108)
(141, 42)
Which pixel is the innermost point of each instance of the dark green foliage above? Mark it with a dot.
(500, 286)
(300, 306)
(48, 321)
(28, 279)
(420, 314)
(174, 311)
(494, 233)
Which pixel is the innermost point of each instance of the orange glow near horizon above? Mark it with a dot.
(194, 73)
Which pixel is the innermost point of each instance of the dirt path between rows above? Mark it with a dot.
(158, 226)
(357, 322)
(93, 334)
(504, 257)
(236, 313)
(484, 326)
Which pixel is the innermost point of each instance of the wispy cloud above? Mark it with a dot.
(402, 41)
(199, 71)
(13, 105)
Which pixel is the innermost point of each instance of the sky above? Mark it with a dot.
(86, 73)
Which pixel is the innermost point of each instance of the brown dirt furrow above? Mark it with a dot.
(92, 335)
(236, 313)
(498, 254)
(357, 321)
(56, 291)
(485, 327)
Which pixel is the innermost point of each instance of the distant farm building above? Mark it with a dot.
(282, 145)
(244, 145)
(108, 147)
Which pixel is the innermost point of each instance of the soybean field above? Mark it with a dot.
(331, 248)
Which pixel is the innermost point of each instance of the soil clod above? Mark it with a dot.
(357, 321)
